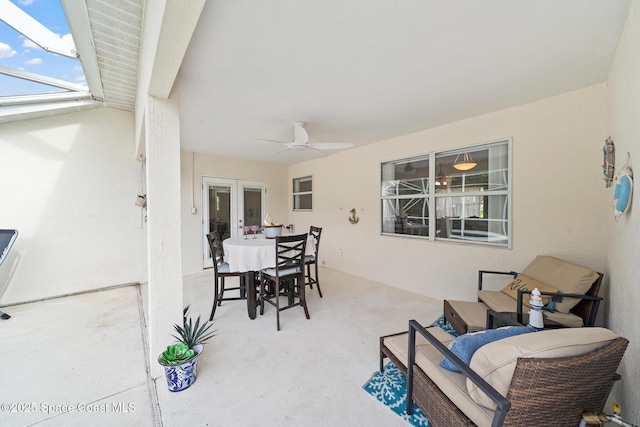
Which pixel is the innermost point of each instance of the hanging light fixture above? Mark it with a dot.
(464, 164)
(440, 179)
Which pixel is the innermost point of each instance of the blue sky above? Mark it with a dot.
(16, 51)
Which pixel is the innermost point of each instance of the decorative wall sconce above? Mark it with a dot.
(464, 164)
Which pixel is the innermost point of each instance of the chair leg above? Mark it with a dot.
(290, 288)
(277, 297)
(215, 298)
(243, 287)
(221, 294)
(317, 278)
(262, 294)
(308, 279)
(303, 300)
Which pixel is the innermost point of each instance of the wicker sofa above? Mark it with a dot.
(545, 378)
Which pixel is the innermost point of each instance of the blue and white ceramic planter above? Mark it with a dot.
(180, 377)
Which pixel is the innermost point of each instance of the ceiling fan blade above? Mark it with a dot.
(309, 147)
(273, 140)
(282, 151)
(300, 135)
(331, 145)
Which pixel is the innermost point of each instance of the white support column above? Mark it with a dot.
(164, 253)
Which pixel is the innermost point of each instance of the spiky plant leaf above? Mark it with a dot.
(191, 334)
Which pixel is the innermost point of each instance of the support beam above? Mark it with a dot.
(162, 140)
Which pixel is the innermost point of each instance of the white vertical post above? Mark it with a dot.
(164, 252)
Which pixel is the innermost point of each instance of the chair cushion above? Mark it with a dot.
(562, 275)
(224, 268)
(472, 313)
(309, 259)
(569, 320)
(286, 272)
(450, 383)
(498, 301)
(466, 345)
(496, 362)
(527, 284)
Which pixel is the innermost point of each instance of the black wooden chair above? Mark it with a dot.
(220, 272)
(312, 260)
(286, 279)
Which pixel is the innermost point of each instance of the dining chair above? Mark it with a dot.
(220, 272)
(310, 260)
(286, 279)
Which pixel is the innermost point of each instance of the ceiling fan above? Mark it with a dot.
(301, 142)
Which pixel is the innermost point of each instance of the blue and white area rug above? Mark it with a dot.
(390, 387)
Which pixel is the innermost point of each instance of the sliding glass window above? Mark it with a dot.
(457, 195)
(303, 194)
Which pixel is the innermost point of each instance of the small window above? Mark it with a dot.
(303, 194)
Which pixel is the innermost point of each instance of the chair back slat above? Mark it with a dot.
(290, 251)
(216, 249)
(315, 232)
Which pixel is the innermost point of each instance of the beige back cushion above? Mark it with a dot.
(562, 275)
(526, 284)
(496, 362)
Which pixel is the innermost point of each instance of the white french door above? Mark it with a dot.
(228, 204)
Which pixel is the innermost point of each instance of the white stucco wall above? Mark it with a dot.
(68, 184)
(558, 195)
(623, 237)
(194, 167)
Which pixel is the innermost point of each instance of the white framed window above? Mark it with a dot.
(429, 197)
(303, 193)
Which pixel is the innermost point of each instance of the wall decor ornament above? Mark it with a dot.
(623, 190)
(608, 165)
(353, 219)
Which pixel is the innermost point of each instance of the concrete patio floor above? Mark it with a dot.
(81, 360)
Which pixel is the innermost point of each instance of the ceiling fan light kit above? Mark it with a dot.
(301, 142)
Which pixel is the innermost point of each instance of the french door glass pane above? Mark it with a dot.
(252, 206)
(220, 210)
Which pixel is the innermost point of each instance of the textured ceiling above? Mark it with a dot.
(358, 71)
(363, 71)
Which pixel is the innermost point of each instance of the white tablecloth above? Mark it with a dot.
(253, 254)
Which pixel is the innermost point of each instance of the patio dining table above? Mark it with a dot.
(252, 253)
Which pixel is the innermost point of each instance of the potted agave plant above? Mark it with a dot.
(181, 359)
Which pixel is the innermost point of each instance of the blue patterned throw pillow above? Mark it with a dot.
(466, 345)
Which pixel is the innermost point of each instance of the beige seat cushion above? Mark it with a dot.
(498, 301)
(450, 383)
(569, 320)
(473, 313)
(562, 275)
(496, 362)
